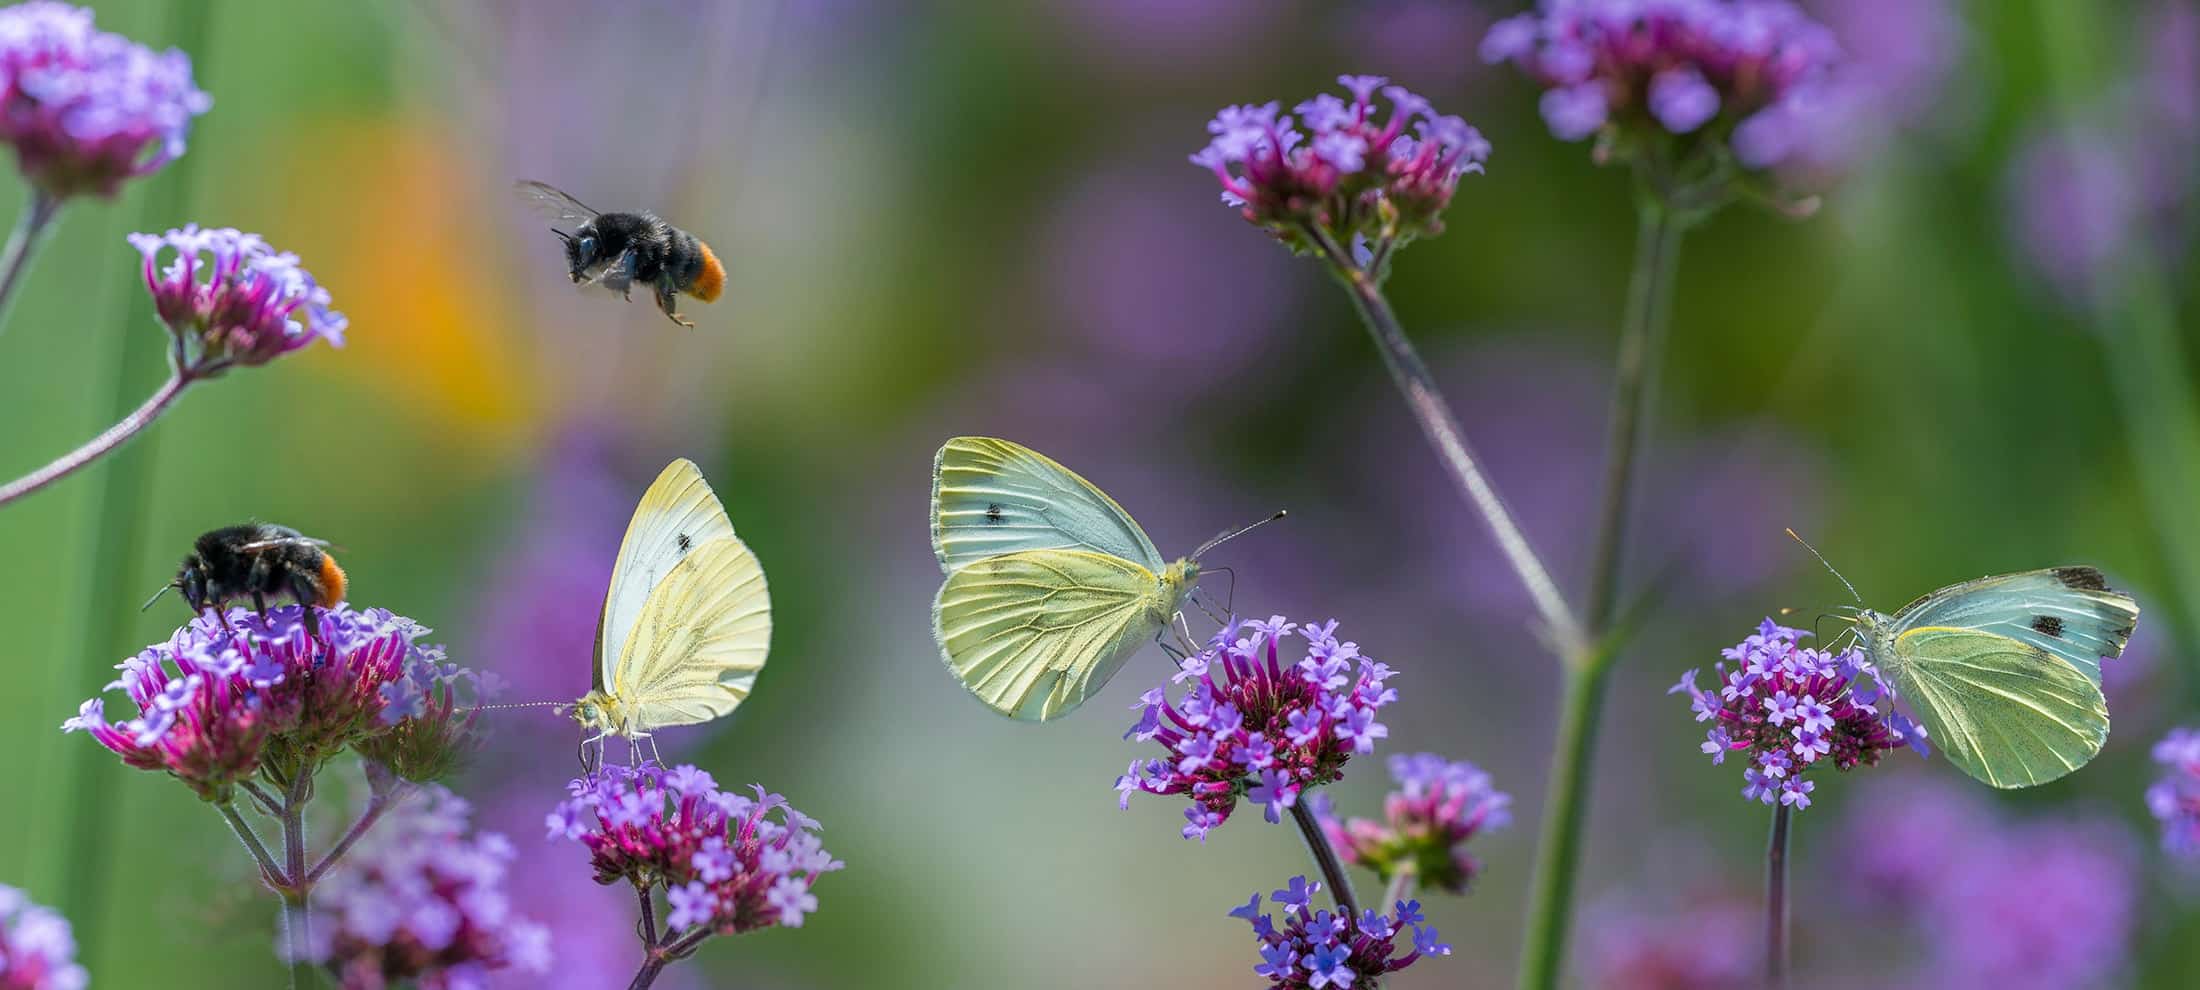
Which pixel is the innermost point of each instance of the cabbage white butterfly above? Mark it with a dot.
(2005, 671)
(1050, 585)
(687, 622)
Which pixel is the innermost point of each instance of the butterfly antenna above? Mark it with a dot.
(1829, 565)
(156, 596)
(1229, 535)
(521, 704)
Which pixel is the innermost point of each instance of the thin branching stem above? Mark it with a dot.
(270, 871)
(30, 231)
(1325, 858)
(377, 804)
(1400, 887)
(114, 436)
(1776, 901)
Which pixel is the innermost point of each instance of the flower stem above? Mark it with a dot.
(30, 231)
(1776, 902)
(376, 805)
(1325, 857)
(1558, 857)
(648, 973)
(269, 871)
(115, 435)
(649, 916)
(1400, 887)
(1450, 441)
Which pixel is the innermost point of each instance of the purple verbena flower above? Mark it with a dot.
(1638, 74)
(1439, 805)
(726, 862)
(2174, 799)
(243, 303)
(418, 902)
(230, 689)
(1357, 170)
(1790, 709)
(1698, 940)
(1315, 948)
(37, 951)
(1253, 726)
(82, 106)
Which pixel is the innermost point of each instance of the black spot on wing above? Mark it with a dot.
(2048, 624)
(685, 543)
(2081, 578)
(993, 516)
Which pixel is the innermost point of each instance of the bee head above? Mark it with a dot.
(580, 251)
(190, 579)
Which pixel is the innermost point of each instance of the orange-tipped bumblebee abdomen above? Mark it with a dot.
(711, 280)
(332, 582)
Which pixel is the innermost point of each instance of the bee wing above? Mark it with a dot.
(618, 275)
(287, 541)
(552, 202)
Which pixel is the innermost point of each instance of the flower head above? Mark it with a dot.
(230, 299)
(37, 952)
(420, 903)
(1254, 726)
(82, 107)
(1358, 170)
(725, 861)
(1315, 948)
(1708, 88)
(1438, 806)
(1695, 939)
(2175, 797)
(1785, 710)
(230, 690)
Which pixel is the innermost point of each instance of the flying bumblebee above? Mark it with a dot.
(255, 561)
(617, 250)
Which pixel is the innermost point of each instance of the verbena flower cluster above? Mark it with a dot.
(2174, 798)
(1317, 948)
(37, 951)
(1439, 805)
(1745, 74)
(242, 303)
(1790, 709)
(1255, 727)
(725, 863)
(420, 903)
(83, 107)
(230, 692)
(1696, 938)
(2031, 904)
(1357, 172)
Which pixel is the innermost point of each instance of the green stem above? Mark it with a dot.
(1400, 887)
(1325, 858)
(1641, 340)
(30, 231)
(376, 805)
(131, 424)
(116, 510)
(269, 870)
(1776, 902)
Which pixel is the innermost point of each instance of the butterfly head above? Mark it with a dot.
(1178, 579)
(597, 711)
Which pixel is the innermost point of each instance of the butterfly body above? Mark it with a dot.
(1050, 585)
(2005, 671)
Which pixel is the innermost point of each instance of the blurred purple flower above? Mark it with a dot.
(1626, 69)
(2082, 195)
(37, 951)
(81, 106)
(2174, 799)
(1254, 726)
(1419, 39)
(1784, 710)
(1899, 72)
(725, 864)
(228, 686)
(1357, 172)
(1439, 805)
(2011, 905)
(419, 903)
(247, 306)
(1699, 941)
(1318, 948)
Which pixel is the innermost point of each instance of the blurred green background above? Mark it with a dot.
(977, 218)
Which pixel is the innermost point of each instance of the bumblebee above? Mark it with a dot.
(617, 250)
(256, 561)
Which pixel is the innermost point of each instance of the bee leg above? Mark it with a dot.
(668, 301)
(302, 589)
(259, 604)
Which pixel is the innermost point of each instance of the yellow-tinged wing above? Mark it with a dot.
(677, 514)
(1035, 633)
(992, 497)
(699, 641)
(2004, 711)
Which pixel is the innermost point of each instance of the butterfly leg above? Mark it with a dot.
(658, 757)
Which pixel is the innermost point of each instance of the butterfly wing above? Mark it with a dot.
(552, 202)
(677, 514)
(2068, 611)
(2005, 711)
(699, 641)
(1036, 632)
(993, 497)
